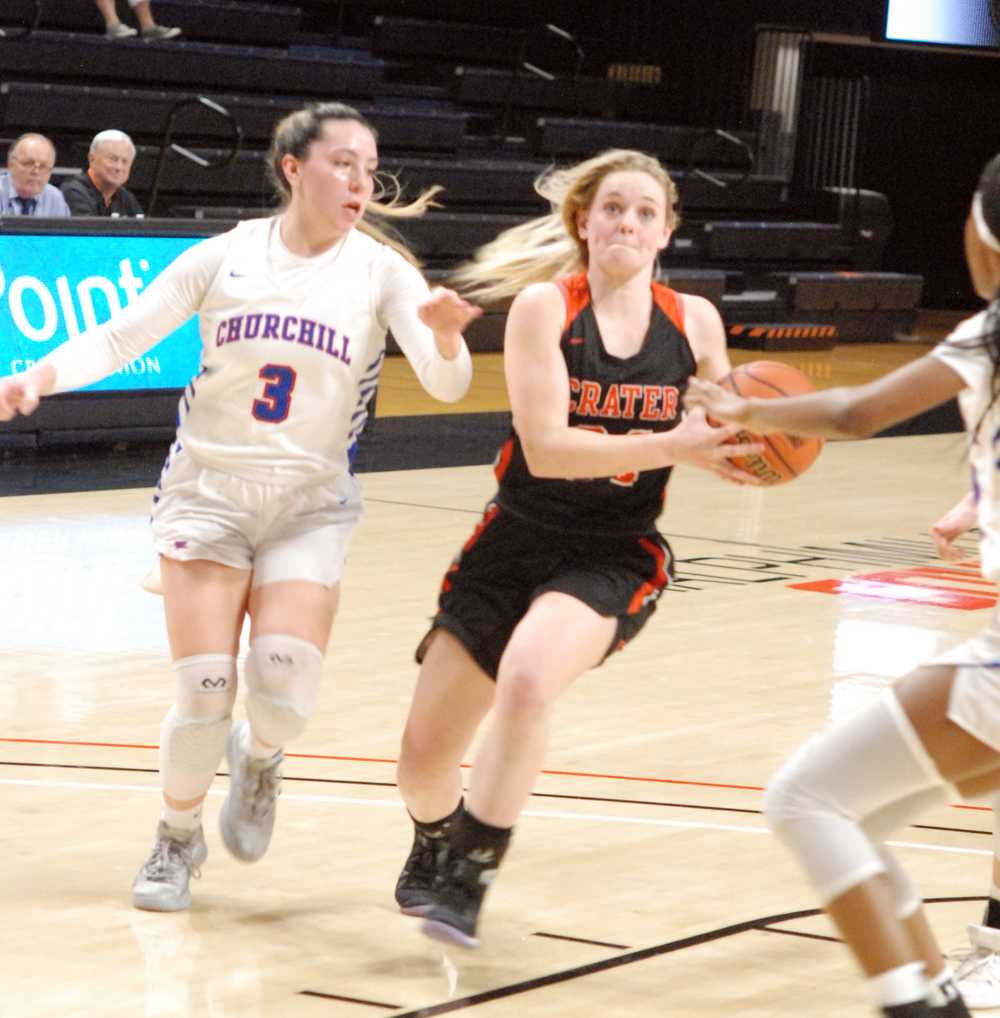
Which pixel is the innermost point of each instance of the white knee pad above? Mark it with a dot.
(819, 801)
(193, 734)
(282, 675)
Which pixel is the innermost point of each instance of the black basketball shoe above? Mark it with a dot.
(459, 894)
(415, 892)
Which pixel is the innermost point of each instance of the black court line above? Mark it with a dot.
(800, 933)
(605, 965)
(630, 958)
(582, 940)
(535, 795)
(348, 1000)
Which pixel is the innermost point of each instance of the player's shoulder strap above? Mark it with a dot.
(576, 293)
(670, 303)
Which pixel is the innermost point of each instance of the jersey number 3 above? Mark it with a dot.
(276, 399)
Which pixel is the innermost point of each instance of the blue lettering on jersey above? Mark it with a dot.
(285, 328)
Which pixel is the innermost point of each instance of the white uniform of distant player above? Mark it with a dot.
(975, 699)
(291, 352)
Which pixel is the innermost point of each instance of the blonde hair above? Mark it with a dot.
(296, 132)
(550, 246)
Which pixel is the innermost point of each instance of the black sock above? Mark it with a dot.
(472, 835)
(443, 827)
(916, 1009)
(991, 914)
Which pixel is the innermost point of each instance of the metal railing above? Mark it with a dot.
(31, 25)
(521, 63)
(168, 145)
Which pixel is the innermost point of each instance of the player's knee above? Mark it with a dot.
(282, 677)
(522, 691)
(789, 798)
(206, 687)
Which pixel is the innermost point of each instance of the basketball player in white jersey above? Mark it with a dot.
(256, 502)
(837, 798)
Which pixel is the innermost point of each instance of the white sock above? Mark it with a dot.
(942, 987)
(181, 819)
(903, 985)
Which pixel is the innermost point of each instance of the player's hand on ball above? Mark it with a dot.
(704, 445)
(716, 402)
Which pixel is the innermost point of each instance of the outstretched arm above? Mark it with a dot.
(163, 306)
(846, 412)
(428, 327)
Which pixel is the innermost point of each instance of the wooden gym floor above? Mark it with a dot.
(642, 880)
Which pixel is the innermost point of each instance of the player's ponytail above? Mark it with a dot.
(296, 132)
(550, 246)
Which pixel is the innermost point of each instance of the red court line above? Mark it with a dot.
(376, 759)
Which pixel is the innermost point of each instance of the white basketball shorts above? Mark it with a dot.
(974, 704)
(280, 531)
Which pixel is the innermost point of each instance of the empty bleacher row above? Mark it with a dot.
(479, 108)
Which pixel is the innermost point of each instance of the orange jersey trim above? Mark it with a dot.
(669, 302)
(576, 293)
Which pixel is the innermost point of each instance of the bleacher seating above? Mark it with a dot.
(445, 84)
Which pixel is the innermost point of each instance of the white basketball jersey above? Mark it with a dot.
(291, 348)
(964, 352)
(291, 351)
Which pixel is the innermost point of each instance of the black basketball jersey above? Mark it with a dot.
(614, 395)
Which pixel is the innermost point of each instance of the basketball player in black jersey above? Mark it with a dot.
(566, 565)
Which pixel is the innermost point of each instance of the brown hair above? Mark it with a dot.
(296, 132)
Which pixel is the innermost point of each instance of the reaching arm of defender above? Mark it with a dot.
(846, 412)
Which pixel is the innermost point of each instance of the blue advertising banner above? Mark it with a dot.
(57, 286)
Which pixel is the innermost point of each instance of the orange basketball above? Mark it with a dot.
(784, 456)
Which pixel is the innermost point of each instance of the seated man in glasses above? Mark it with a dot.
(100, 190)
(24, 187)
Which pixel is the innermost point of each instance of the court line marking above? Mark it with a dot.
(386, 760)
(344, 800)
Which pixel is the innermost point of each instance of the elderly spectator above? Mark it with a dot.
(148, 28)
(100, 190)
(25, 189)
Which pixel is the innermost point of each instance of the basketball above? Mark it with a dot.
(784, 456)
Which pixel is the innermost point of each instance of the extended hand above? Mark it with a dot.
(19, 394)
(952, 526)
(445, 313)
(716, 402)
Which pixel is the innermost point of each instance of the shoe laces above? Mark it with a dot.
(262, 787)
(166, 854)
(977, 961)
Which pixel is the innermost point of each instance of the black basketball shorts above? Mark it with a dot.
(508, 562)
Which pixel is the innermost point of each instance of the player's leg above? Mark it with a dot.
(557, 641)
(291, 623)
(977, 968)
(204, 603)
(451, 698)
(897, 750)
(298, 564)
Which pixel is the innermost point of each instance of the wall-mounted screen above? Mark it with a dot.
(942, 22)
(57, 286)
